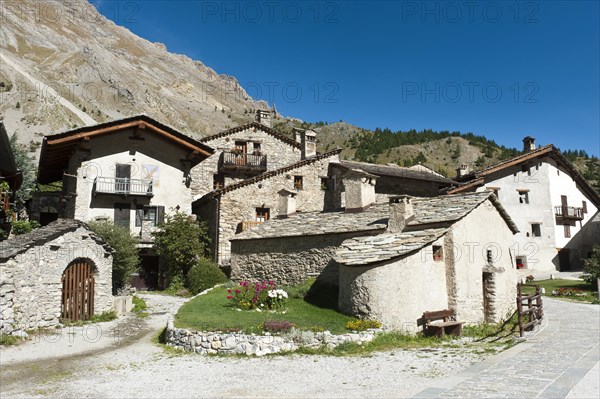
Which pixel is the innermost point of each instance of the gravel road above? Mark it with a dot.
(123, 362)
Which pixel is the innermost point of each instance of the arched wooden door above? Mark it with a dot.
(78, 291)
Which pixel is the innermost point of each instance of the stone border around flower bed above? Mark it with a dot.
(206, 342)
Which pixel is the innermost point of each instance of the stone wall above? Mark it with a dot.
(279, 154)
(203, 342)
(31, 280)
(288, 260)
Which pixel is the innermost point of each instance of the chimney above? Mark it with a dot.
(463, 170)
(308, 141)
(287, 203)
(528, 144)
(297, 135)
(401, 212)
(263, 117)
(360, 190)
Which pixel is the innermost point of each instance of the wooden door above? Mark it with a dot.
(241, 147)
(78, 291)
(122, 178)
(122, 214)
(564, 260)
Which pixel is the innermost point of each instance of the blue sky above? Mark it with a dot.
(503, 69)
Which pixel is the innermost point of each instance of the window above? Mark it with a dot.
(218, 181)
(567, 231)
(584, 206)
(521, 262)
(523, 196)
(490, 257)
(152, 214)
(298, 182)
(256, 148)
(536, 230)
(325, 184)
(438, 254)
(262, 214)
(121, 215)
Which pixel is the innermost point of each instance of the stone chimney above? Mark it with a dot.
(528, 144)
(401, 212)
(297, 135)
(360, 190)
(463, 170)
(287, 203)
(308, 141)
(263, 117)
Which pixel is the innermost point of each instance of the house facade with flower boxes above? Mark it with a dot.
(554, 207)
(435, 251)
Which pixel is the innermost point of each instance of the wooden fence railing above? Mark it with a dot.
(530, 305)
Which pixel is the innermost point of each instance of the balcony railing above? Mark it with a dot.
(114, 185)
(568, 212)
(248, 224)
(232, 161)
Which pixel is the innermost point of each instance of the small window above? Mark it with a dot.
(218, 181)
(523, 197)
(567, 231)
(298, 182)
(536, 230)
(584, 206)
(438, 254)
(521, 262)
(325, 184)
(146, 214)
(490, 257)
(262, 214)
(256, 149)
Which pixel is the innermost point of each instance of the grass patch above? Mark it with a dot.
(139, 306)
(212, 312)
(588, 294)
(9, 340)
(105, 316)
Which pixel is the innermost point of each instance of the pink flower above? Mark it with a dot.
(229, 297)
(229, 291)
(236, 291)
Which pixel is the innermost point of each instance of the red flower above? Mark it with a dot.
(229, 297)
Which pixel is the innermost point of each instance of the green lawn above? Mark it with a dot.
(213, 312)
(589, 294)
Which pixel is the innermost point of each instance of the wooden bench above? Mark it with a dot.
(431, 326)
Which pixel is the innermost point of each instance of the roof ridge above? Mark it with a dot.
(248, 125)
(273, 173)
(515, 158)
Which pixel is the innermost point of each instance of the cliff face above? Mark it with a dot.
(63, 64)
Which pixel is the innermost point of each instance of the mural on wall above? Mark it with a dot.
(151, 172)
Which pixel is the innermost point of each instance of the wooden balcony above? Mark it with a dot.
(239, 162)
(248, 224)
(568, 212)
(122, 186)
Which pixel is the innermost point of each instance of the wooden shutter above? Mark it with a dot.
(584, 206)
(567, 231)
(160, 214)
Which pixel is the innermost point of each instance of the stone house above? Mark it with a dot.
(393, 261)
(11, 179)
(247, 151)
(240, 206)
(130, 171)
(60, 271)
(554, 207)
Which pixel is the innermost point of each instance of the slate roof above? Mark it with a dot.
(429, 213)
(11, 248)
(397, 171)
(365, 250)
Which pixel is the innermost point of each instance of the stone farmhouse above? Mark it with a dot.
(60, 271)
(11, 179)
(392, 262)
(555, 208)
(130, 171)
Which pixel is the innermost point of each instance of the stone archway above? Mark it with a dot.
(78, 290)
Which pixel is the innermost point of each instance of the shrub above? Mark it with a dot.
(205, 274)
(278, 326)
(257, 295)
(125, 258)
(183, 241)
(592, 267)
(362, 325)
(176, 287)
(107, 315)
(139, 305)
(24, 226)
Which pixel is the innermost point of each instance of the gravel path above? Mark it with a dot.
(123, 365)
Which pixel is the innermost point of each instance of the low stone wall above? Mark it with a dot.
(203, 342)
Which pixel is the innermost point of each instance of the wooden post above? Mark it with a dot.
(519, 313)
